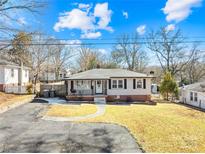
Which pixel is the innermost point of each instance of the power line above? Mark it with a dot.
(104, 43)
(100, 39)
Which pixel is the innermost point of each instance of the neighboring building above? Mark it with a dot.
(109, 84)
(11, 77)
(50, 75)
(193, 94)
(154, 88)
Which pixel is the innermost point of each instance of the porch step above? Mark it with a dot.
(100, 99)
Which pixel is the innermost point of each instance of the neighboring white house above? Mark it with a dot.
(11, 77)
(112, 84)
(193, 94)
(50, 75)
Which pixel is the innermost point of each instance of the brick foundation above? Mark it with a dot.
(126, 98)
(2, 87)
(129, 98)
(80, 98)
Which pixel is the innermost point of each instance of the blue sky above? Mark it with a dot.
(104, 19)
(140, 12)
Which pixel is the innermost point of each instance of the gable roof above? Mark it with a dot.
(107, 74)
(4, 62)
(200, 87)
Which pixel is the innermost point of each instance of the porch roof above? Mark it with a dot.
(107, 74)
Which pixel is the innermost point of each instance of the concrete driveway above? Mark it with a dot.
(23, 130)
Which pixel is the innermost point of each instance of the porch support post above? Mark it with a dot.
(91, 86)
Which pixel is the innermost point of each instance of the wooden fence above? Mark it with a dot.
(60, 89)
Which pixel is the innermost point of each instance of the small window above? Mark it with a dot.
(191, 96)
(139, 84)
(26, 73)
(78, 83)
(120, 84)
(114, 83)
(61, 75)
(12, 72)
(195, 97)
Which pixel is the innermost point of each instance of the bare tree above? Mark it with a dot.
(11, 20)
(60, 56)
(9, 9)
(89, 58)
(40, 54)
(128, 53)
(170, 49)
(194, 71)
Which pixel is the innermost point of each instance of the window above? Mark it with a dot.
(139, 84)
(195, 97)
(26, 73)
(114, 83)
(61, 75)
(191, 96)
(82, 85)
(120, 84)
(12, 72)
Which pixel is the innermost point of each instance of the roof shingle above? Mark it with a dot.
(106, 74)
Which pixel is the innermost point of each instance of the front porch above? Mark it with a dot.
(87, 88)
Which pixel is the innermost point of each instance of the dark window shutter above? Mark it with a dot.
(109, 83)
(71, 85)
(134, 83)
(125, 83)
(144, 83)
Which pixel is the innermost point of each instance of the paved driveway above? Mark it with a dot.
(23, 130)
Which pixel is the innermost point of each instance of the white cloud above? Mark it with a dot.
(88, 22)
(125, 14)
(72, 43)
(103, 51)
(91, 35)
(141, 29)
(104, 14)
(83, 6)
(178, 10)
(22, 21)
(170, 27)
(75, 19)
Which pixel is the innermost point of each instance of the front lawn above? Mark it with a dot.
(165, 127)
(71, 110)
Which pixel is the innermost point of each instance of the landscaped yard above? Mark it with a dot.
(165, 127)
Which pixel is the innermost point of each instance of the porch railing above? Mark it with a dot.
(86, 92)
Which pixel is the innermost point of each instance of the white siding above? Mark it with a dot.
(25, 76)
(7, 78)
(1, 75)
(7, 75)
(185, 98)
(130, 90)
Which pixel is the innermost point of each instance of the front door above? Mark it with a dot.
(98, 85)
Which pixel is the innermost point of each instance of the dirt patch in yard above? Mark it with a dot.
(9, 99)
(5, 97)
